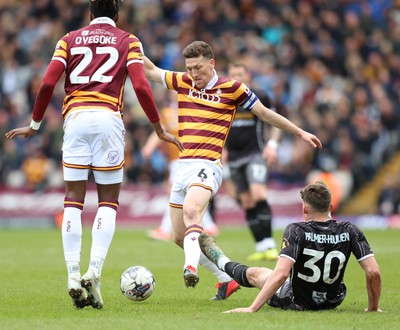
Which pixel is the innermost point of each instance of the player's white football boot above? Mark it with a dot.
(190, 276)
(91, 282)
(77, 293)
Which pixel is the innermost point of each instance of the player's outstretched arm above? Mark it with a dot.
(373, 278)
(25, 131)
(275, 119)
(270, 151)
(153, 72)
(271, 285)
(167, 137)
(146, 100)
(53, 73)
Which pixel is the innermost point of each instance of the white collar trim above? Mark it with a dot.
(212, 81)
(103, 20)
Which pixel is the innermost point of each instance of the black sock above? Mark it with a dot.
(259, 221)
(265, 215)
(211, 209)
(238, 272)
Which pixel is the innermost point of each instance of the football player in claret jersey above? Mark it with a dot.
(207, 105)
(314, 256)
(96, 60)
(169, 119)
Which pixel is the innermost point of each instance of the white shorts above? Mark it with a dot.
(94, 140)
(173, 168)
(202, 173)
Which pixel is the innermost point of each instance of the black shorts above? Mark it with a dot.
(284, 299)
(250, 170)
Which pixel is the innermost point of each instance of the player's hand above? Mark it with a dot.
(168, 137)
(25, 131)
(311, 139)
(240, 310)
(270, 155)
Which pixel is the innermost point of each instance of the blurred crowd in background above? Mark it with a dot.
(334, 65)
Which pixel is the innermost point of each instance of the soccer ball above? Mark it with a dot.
(137, 283)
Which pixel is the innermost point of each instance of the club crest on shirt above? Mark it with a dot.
(285, 243)
(319, 297)
(112, 157)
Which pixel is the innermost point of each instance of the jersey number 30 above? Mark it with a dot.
(98, 75)
(326, 271)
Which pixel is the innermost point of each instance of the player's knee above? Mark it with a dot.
(255, 276)
(252, 273)
(258, 193)
(246, 201)
(191, 214)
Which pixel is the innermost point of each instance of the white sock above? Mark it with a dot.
(223, 261)
(71, 232)
(265, 244)
(102, 233)
(191, 246)
(206, 263)
(166, 224)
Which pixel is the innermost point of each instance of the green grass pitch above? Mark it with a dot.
(33, 282)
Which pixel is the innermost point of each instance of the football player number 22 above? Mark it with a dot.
(98, 75)
(326, 271)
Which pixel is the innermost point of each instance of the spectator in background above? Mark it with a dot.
(36, 168)
(311, 43)
(389, 197)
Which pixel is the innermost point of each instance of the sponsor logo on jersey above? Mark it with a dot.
(319, 297)
(193, 94)
(100, 31)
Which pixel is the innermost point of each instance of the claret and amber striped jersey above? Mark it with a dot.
(205, 115)
(96, 58)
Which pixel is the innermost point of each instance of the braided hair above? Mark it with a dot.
(105, 8)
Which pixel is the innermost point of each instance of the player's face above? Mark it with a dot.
(240, 74)
(200, 69)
